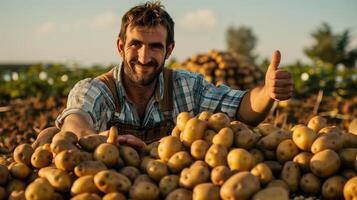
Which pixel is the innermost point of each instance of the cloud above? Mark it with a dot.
(104, 20)
(203, 19)
(45, 28)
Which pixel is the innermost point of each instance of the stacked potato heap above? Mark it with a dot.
(224, 67)
(206, 157)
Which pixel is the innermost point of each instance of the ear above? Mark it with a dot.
(120, 46)
(170, 48)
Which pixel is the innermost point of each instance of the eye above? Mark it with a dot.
(157, 46)
(134, 44)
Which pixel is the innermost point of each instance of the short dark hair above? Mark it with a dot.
(148, 14)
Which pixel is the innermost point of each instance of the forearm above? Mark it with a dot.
(77, 124)
(255, 106)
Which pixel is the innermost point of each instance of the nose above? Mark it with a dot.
(144, 55)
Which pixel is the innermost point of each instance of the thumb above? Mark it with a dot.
(275, 60)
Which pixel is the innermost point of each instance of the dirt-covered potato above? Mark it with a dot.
(144, 190)
(291, 175)
(332, 188)
(325, 163)
(286, 151)
(41, 158)
(168, 146)
(178, 161)
(218, 121)
(194, 130)
(91, 142)
(86, 196)
(67, 160)
(60, 145)
(303, 137)
(39, 189)
(89, 167)
(190, 177)
(240, 186)
(263, 172)
(129, 155)
(240, 160)
(348, 157)
(350, 189)
(316, 123)
(107, 153)
(168, 183)
(271, 141)
(245, 138)
(303, 161)
(266, 128)
(273, 193)
(310, 184)
(130, 172)
(59, 179)
(179, 194)
(257, 154)
(156, 169)
(216, 155)
(199, 149)
(224, 137)
(220, 174)
(110, 181)
(19, 170)
(114, 196)
(84, 184)
(66, 135)
(331, 141)
(182, 119)
(23, 153)
(205, 191)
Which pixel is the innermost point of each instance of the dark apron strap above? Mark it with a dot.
(109, 81)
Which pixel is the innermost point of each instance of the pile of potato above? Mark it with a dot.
(224, 67)
(206, 157)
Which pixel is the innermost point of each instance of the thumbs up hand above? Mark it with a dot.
(278, 83)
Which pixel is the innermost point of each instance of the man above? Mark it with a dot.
(143, 99)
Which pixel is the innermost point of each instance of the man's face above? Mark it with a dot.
(144, 53)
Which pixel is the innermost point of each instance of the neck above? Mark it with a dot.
(138, 93)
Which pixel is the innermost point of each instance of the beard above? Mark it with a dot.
(142, 74)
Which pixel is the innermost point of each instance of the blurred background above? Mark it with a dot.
(47, 46)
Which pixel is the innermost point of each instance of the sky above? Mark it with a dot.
(85, 31)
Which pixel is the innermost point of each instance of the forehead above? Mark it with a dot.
(147, 34)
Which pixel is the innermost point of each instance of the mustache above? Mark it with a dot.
(151, 63)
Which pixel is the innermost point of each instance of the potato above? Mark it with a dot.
(310, 184)
(263, 172)
(168, 183)
(199, 149)
(205, 191)
(352, 128)
(91, 142)
(22, 154)
(271, 141)
(60, 145)
(303, 137)
(316, 123)
(224, 137)
(15, 184)
(4, 174)
(110, 181)
(16, 195)
(271, 193)
(266, 128)
(291, 175)
(176, 132)
(199, 163)
(332, 188)
(205, 115)
(178, 161)
(90, 167)
(144, 190)
(3, 193)
(286, 151)
(325, 163)
(19, 170)
(279, 183)
(331, 141)
(130, 172)
(274, 166)
(257, 154)
(220, 174)
(39, 189)
(179, 194)
(59, 179)
(240, 160)
(269, 154)
(348, 173)
(107, 153)
(41, 158)
(141, 178)
(194, 130)
(208, 136)
(303, 161)
(144, 162)
(86, 196)
(46, 136)
(129, 155)
(218, 121)
(216, 155)
(114, 196)
(168, 146)
(330, 129)
(182, 119)
(350, 189)
(67, 160)
(66, 135)
(238, 126)
(349, 140)
(113, 135)
(156, 170)
(347, 157)
(190, 177)
(245, 138)
(240, 186)
(84, 184)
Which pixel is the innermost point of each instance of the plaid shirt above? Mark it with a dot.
(191, 93)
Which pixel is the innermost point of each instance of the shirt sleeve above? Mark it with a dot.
(92, 99)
